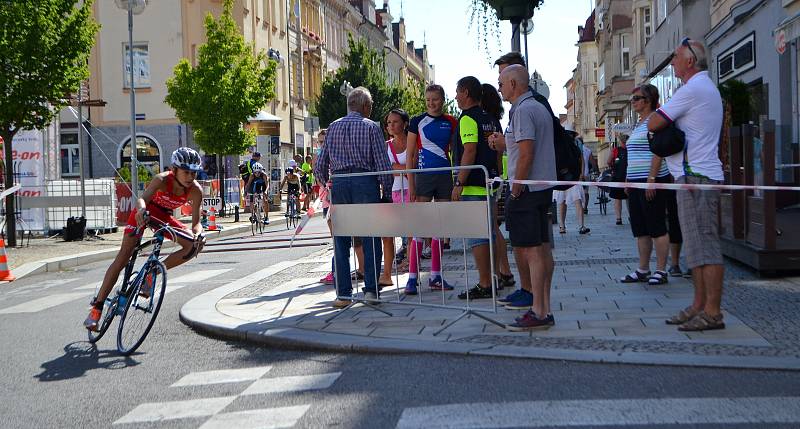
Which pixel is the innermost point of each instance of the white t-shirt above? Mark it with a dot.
(696, 109)
(400, 182)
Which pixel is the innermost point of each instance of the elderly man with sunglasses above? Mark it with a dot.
(696, 109)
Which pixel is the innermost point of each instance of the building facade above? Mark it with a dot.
(585, 77)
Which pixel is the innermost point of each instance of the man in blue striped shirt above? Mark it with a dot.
(355, 144)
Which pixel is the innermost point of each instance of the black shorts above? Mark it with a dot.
(648, 218)
(526, 218)
(306, 187)
(437, 186)
(258, 188)
(674, 227)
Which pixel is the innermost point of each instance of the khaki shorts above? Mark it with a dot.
(698, 215)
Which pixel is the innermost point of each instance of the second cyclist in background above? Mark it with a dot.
(292, 182)
(256, 187)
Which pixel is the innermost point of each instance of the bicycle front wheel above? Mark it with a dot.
(142, 308)
(111, 311)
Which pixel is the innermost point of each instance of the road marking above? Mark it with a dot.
(196, 276)
(156, 412)
(283, 417)
(89, 286)
(43, 303)
(292, 384)
(222, 376)
(606, 413)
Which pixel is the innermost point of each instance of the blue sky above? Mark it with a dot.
(453, 48)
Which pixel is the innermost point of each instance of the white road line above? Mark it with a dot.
(89, 286)
(222, 376)
(606, 413)
(292, 384)
(283, 417)
(43, 303)
(156, 412)
(196, 276)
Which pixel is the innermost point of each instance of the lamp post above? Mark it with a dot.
(134, 7)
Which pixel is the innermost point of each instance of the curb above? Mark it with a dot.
(200, 314)
(60, 263)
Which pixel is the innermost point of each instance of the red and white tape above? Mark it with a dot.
(639, 185)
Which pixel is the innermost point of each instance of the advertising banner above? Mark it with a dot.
(28, 163)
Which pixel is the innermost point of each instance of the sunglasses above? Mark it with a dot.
(637, 98)
(685, 42)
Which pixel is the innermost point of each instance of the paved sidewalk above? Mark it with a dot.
(54, 254)
(597, 317)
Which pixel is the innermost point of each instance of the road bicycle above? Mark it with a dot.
(138, 298)
(292, 213)
(256, 208)
(602, 200)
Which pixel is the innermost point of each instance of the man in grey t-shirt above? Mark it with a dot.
(531, 156)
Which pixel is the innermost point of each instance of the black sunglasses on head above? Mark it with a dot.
(685, 42)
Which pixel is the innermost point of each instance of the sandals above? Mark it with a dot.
(658, 278)
(635, 277)
(619, 221)
(683, 316)
(562, 229)
(703, 322)
(584, 230)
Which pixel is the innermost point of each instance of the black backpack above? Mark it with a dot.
(568, 154)
(244, 171)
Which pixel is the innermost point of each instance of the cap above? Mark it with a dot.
(257, 154)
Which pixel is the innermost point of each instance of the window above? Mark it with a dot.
(595, 72)
(647, 24)
(147, 154)
(625, 55)
(601, 80)
(141, 63)
(737, 59)
(662, 10)
(70, 163)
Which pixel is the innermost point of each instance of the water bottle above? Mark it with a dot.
(121, 302)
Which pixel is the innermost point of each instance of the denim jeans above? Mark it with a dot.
(356, 190)
(475, 242)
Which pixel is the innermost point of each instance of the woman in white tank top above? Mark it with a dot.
(397, 128)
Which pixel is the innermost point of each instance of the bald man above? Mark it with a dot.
(531, 156)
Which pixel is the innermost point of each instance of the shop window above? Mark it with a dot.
(147, 154)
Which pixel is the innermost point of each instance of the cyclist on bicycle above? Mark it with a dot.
(292, 182)
(257, 185)
(166, 192)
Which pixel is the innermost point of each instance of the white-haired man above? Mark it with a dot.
(696, 109)
(355, 144)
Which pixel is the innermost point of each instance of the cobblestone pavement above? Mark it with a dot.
(594, 312)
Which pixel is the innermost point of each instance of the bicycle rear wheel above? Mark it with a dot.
(141, 311)
(111, 311)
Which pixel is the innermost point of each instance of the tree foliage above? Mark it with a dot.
(363, 66)
(229, 85)
(738, 100)
(44, 48)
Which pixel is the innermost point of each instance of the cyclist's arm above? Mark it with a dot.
(196, 197)
(249, 182)
(141, 204)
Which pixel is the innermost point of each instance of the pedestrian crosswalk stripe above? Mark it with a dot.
(196, 276)
(283, 417)
(222, 376)
(44, 303)
(613, 413)
(159, 411)
(89, 286)
(292, 384)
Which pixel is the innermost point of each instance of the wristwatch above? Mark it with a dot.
(457, 183)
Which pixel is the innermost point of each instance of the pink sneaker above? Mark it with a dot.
(328, 280)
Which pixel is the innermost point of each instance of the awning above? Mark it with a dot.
(790, 27)
(263, 116)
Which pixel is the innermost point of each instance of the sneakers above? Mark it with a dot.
(411, 287)
(530, 322)
(511, 297)
(146, 289)
(328, 279)
(504, 281)
(438, 283)
(523, 301)
(584, 230)
(93, 320)
(426, 253)
(477, 292)
(688, 273)
(675, 271)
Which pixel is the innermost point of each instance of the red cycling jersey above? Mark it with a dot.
(161, 206)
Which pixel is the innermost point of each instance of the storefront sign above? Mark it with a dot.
(780, 42)
(599, 132)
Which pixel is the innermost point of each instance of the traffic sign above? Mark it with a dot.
(215, 202)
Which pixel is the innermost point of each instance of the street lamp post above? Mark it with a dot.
(134, 7)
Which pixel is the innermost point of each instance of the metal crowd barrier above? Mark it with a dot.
(453, 219)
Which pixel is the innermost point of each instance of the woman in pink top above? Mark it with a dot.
(397, 128)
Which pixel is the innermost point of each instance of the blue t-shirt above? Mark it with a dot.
(433, 139)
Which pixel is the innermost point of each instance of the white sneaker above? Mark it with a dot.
(426, 253)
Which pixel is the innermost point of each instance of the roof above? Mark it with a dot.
(586, 32)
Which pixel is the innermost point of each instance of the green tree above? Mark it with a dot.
(229, 85)
(363, 66)
(44, 48)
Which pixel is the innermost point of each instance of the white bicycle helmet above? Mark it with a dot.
(187, 159)
(258, 167)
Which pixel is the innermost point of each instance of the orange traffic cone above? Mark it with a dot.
(212, 220)
(5, 273)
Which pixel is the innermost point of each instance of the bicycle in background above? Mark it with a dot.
(292, 213)
(256, 208)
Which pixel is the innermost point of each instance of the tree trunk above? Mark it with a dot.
(11, 219)
(221, 175)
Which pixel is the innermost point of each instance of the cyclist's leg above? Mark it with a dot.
(184, 239)
(265, 202)
(112, 273)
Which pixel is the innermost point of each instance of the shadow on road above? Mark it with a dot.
(80, 357)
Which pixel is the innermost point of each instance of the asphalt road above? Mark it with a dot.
(52, 377)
